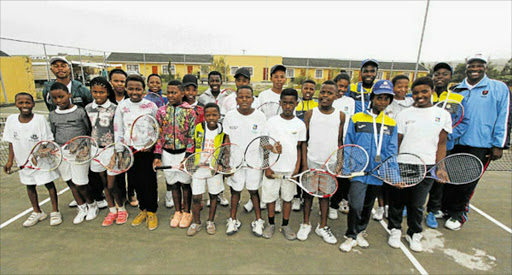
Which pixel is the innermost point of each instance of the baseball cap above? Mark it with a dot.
(477, 56)
(58, 58)
(370, 61)
(442, 65)
(276, 68)
(189, 79)
(244, 72)
(383, 87)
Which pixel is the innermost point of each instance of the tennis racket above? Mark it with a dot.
(270, 109)
(455, 109)
(316, 182)
(347, 160)
(224, 94)
(155, 98)
(44, 156)
(261, 153)
(199, 165)
(144, 133)
(460, 168)
(116, 157)
(79, 150)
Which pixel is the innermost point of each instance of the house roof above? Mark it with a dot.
(160, 58)
(3, 53)
(347, 64)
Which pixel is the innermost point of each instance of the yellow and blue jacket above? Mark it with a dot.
(199, 137)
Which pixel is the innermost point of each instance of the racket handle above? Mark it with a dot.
(164, 167)
(356, 174)
(278, 176)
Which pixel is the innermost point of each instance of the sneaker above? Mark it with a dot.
(248, 206)
(232, 226)
(210, 227)
(288, 233)
(92, 211)
(453, 224)
(379, 214)
(35, 218)
(186, 220)
(193, 229)
(304, 231)
(431, 220)
(82, 213)
(347, 245)
(257, 227)
(414, 242)
(109, 219)
(344, 208)
(73, 204)
(279, 206)
(296, 204)
(122, 217)
(168, 200)
(326, 234)
(152, 221)
(394, 238)
(386, 211)
(269, 230)
(208, 203)
(133, 201)
(176, 218)
(55, 218)
(333, 214)
(140, 218)
(439, 214)
(404, 214)
(222, 199)
(361, 241)
(102, 204)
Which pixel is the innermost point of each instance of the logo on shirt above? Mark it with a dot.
(255, 126)
(16, 136)
(234, 127)
(361, 126)
(438, 119)
(34, 137)
(409, 122)
(345, 109)
(485, 92)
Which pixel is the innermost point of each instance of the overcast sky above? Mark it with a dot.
(385, 30)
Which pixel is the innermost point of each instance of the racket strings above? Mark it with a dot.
(46, 156)
(145, 131)
(460, 168)
(198, 165)
(318, 183)
(261, 153)
(399, 172)
(349, 160)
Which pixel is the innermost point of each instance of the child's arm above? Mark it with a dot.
(299, 154)
(10, 160)
(340, 130)
(118, 126)
(307, 120)
(161, 139)
(441, 146)
(87, 122)
(189, 138)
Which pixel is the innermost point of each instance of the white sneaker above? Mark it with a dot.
(168, 200)
(296, 204)
(82, 213)
(333, 214)
(222, 199)
(347, 245)
(344, 207)
(361, 241)
(386, 211)
(72, 203)
(326, 234)
(92, 211)
(208, 202)
(439, 214)
(232, 226)
(304, 231)
(394, 238)
(453, 224)
(279, 206)
(102, 204)
(379, 214)
(414, 242)
(55, 218)
(248, 206)
(263, 206)
(257, 227)
(35, 218)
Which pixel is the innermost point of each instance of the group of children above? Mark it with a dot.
(375, 115)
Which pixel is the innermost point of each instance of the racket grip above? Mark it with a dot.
(163, 167)
(356, 174)
(278, 176)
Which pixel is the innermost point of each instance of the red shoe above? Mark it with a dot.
(122, 217)
(109, 219)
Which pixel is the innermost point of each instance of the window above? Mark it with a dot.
(319, 74)
(380, 75)
(290, 72)
(233, 69)
(165, 69)
(132, 68)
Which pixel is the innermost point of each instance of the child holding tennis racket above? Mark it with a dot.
(176, 142)
(154, 93)
(429, 126)
(69, 121)
(377, 134)
(141, 173)
(23, 131)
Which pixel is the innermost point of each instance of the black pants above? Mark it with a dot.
(121, 183)
(361, 198)
(95, 186)
(456, 197)
(414, 199)
(435, 198)
(144, 178)
(341, 193)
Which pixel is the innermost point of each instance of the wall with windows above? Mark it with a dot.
(259, 66)
(162, 68)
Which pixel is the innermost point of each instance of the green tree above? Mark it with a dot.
(459, 73)
(220, 65)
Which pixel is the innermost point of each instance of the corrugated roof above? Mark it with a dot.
(160, 57)
(3, 53)
(347, 64)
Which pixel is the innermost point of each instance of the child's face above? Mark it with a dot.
(327, 95)
(174, 95)
(342, 85)
(155, 84)
(442, 78)
(99, 93)
(421, 95)
(288, 104)
(61, 99)
(241, 80)
(380, 102)
(191, 93)
(25, 104)
(278, 79)
(244, 99)
(118, 83)
(368, 74)
(400, 89)
(215, 82)
(135, 90)
(308, 90)
(211, 116)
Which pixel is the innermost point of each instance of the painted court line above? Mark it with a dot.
(11, 220)
(491, 218)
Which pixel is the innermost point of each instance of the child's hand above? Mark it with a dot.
(443, 176)
(156, 163)
(269, 174)
(278, 148)
(7, 167)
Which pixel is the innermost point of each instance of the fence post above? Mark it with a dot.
(47, 63)
(81, 66)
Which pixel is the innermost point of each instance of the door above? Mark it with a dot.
(265, 73)
(154, 69)
(189, 69)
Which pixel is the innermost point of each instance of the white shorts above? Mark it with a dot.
(96, 167)
(215, 185)
(173, 176)
(270, 189)
(78, 173)
(35, 177)
(245, 177)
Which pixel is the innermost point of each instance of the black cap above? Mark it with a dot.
(189, 79)
(243, 71)
(277, 67)
(442, 65)
(369, 61)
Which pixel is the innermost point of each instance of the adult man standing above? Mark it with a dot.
(485, 132)
(361, 91)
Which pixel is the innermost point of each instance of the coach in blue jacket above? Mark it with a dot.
(484, 132)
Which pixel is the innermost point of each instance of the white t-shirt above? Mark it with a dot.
(269, 96)
(288, 133)
(398, 106)
(347, 105)
(126, 113)
(209, 141)
(323, 135)
(421, 128)
(229, 103)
